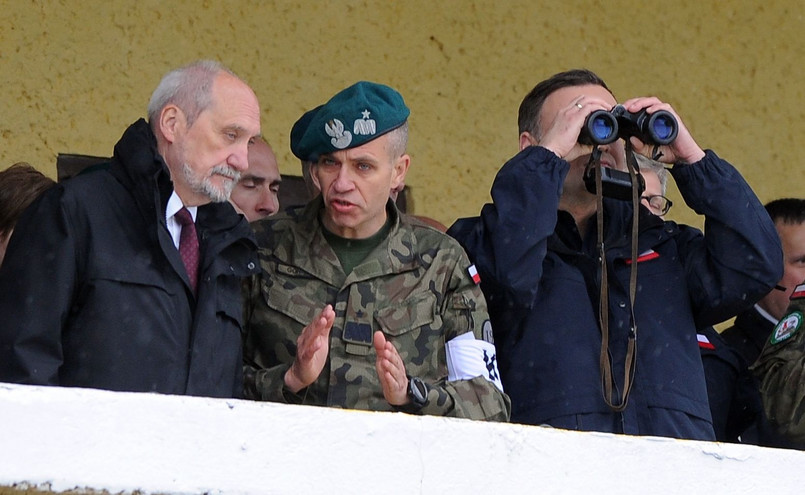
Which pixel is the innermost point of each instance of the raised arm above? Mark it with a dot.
(512, 232)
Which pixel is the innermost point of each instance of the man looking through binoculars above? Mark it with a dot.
(623, 359)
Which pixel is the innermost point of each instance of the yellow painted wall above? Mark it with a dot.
(74, 74)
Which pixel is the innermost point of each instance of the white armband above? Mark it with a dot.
(468, 358)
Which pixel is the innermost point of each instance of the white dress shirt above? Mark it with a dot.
(174, 227)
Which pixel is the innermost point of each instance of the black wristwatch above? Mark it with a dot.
(417, 392)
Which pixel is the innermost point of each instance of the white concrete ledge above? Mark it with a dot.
(78, 439)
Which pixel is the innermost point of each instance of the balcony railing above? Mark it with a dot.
(61, 439)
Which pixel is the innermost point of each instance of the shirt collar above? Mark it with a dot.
(175, 204)
(765, 314)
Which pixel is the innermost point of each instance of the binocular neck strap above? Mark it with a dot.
(605, 361)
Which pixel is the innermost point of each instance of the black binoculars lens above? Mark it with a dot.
(663, 128)
(602, 129)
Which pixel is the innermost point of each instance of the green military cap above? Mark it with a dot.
(353, 117)
(298, 130)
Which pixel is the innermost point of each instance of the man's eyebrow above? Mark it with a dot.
(240, 130)
(365, 157)
(252, 177)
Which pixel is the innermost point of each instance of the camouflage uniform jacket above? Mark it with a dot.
(781, 372)
(414, 286)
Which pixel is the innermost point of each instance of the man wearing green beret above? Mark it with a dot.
(358, 305)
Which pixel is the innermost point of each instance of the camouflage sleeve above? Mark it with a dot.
(472, 386)
(269, 384)
(780, 369)
(259, 383)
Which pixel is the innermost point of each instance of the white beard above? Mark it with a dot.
(204, 185)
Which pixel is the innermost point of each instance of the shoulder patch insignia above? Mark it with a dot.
(704, 342)
(474, 274)
(486, 332)
(786, 328)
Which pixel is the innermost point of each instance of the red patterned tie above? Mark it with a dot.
(188, 246)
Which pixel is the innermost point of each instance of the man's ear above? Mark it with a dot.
(314, 177)
(400, 169)
(526, 140)
(171, 122)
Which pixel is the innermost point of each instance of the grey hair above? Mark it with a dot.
(189, 88)
(398, 140)
(658, 168)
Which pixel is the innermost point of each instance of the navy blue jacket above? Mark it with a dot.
(94, 292)
(541, 280)
(748, 334)
(731, 389)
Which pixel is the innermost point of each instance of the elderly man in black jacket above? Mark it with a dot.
(128, 278)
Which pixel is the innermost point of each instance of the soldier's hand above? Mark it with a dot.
(391, 371)
(312, 348)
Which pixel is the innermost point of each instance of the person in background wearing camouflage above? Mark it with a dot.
(781, 372)
(357, 305)
(753, 327)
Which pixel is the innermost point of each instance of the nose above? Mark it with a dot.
(239, 159)
(616, 151)
(343, 181)
(605, 148)
(268, 203)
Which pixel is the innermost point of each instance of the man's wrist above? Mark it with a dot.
(550, 148)
(250, 383)
(692, 157)
(417, 395)
(292, 383)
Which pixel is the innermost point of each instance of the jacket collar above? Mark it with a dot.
(306, 248)
(617, 230)
(139, 167)
(754, 327)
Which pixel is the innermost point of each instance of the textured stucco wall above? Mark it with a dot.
(75, 73)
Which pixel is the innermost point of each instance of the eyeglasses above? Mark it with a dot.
(658, 203)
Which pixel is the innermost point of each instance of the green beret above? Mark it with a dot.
(353, 117)
(298, 130)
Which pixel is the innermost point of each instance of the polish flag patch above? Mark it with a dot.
(474, 274)
(704, 342)
(644, 256)
(799, 292)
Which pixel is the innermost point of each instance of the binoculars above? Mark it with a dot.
(604, 127)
